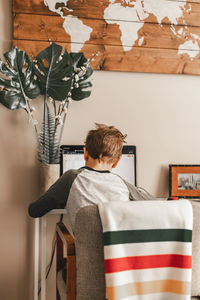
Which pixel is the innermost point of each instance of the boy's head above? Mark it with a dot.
(105, 143)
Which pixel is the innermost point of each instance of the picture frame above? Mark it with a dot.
(184, 181)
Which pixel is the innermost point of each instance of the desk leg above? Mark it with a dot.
(36, 271)
(43, 259)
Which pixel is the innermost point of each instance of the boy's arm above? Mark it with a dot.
(136, 193)
(55, 197)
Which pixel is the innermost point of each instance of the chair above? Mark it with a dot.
(85, 260)
(65, 241)
(90, 284)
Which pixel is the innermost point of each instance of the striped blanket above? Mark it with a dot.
(147, 249)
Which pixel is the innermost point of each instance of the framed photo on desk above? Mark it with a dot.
(184, 181)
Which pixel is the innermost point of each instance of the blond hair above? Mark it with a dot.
(105, 143)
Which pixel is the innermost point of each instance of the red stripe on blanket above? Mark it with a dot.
(148, 262)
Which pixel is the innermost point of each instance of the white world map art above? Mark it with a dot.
(130, 16)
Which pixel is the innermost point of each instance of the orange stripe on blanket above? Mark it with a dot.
(148, 287)
(147, 262)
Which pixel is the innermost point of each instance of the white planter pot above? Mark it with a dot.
(49, 173)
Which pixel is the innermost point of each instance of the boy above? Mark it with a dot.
(93, 183)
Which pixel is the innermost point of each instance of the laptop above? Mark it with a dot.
(72, 158)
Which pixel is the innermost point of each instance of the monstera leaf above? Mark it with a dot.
(80, 62)
(55, 72)
(17, 80)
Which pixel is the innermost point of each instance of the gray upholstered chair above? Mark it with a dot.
(85, 261)
(90, 280)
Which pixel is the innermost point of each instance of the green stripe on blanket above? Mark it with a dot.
(147, 235)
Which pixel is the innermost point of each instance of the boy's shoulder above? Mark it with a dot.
(70, 175)
(71, 172)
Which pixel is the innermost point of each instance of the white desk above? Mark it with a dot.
(40, 229)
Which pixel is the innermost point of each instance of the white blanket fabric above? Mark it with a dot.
(147, 249)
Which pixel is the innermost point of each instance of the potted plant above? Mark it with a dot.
(59, 77)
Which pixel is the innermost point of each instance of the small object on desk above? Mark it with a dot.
(172, 198)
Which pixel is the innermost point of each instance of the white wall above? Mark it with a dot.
(18, 185)
(160, 114)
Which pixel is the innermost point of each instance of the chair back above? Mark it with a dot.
(89, 254)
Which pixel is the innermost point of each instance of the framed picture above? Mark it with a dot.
(184, 181)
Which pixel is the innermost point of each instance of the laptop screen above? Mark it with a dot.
(72, 158)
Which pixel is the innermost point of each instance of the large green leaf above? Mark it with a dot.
(17, 80)
(55, 72)
(81, 63)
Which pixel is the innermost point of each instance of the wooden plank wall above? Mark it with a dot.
(35, 26)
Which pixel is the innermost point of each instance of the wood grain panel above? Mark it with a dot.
(155, 50)
(39, 27)
(34, 47)
(44, 28)
(30, 7)
(89, 8)
(136, 60)
(94, 9)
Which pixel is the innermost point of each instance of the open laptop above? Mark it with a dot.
(72, 158)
